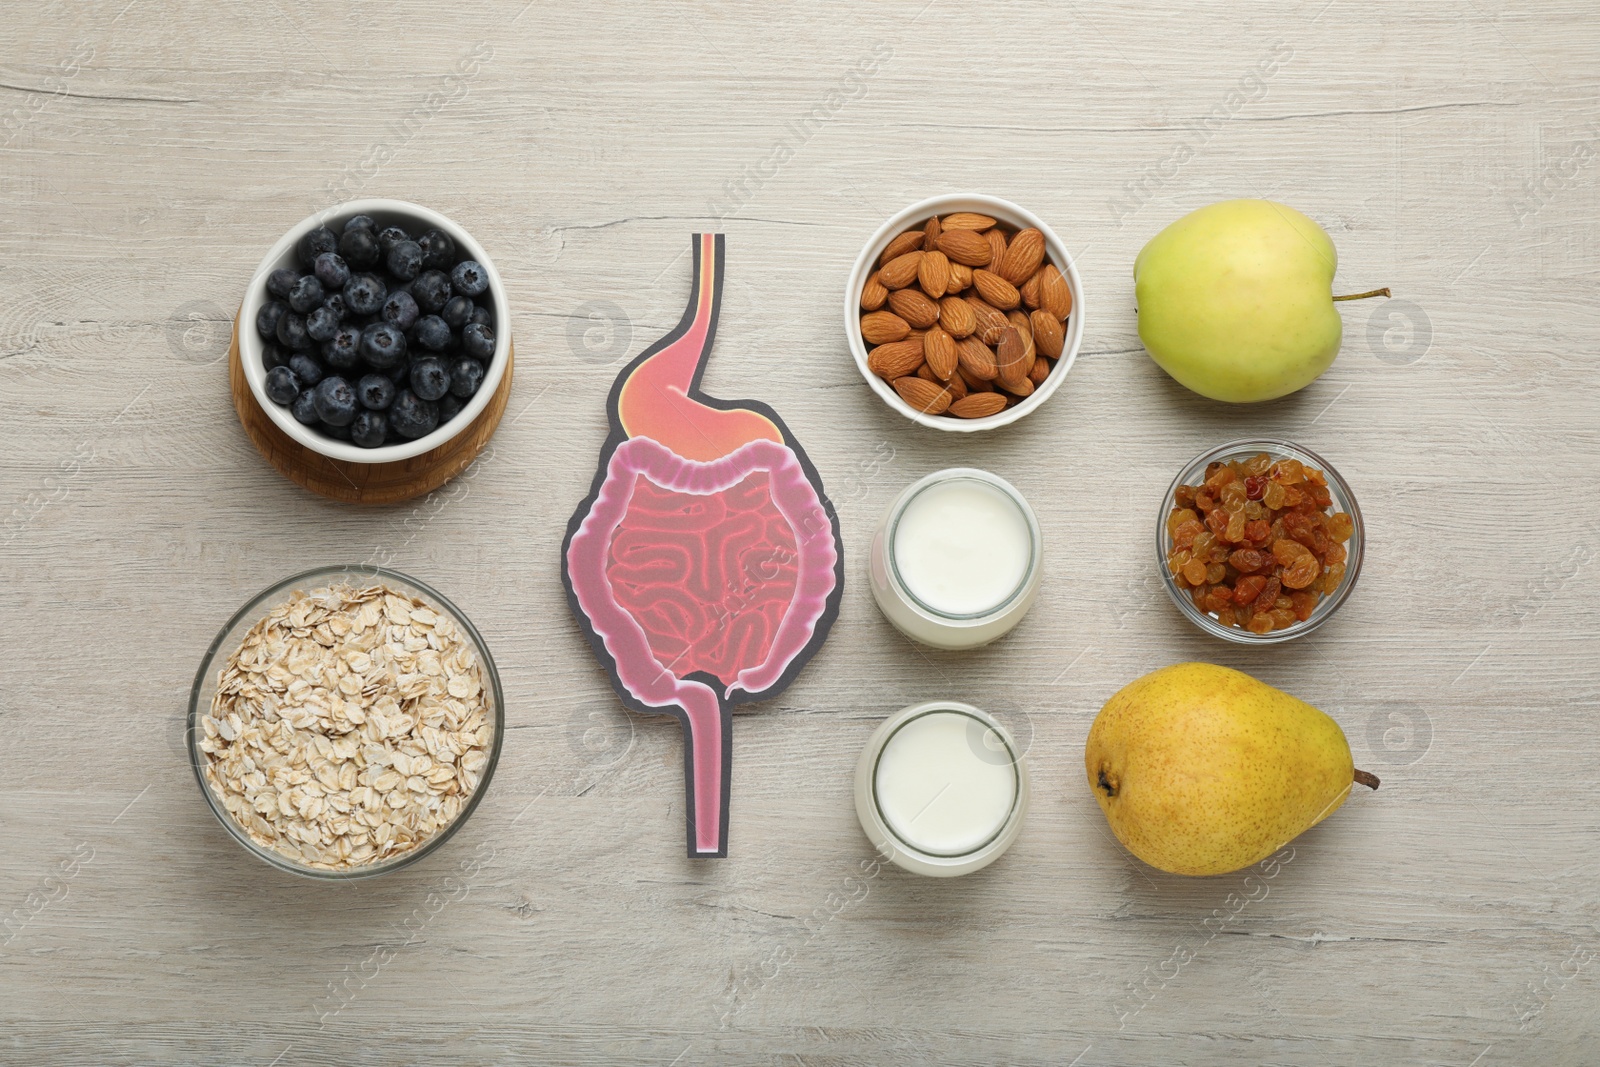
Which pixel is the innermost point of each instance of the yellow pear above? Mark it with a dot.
(1203, 770)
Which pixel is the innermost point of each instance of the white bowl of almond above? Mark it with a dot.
(345, 722)
(964, 312)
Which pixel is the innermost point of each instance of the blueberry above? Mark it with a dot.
(273, 356)
(308, 370)
(465, 377)
(478, 341)
(321, 324)
(267, 319)
(361, 222)
(336, 304)
(280, 281)
(405, 260)
(431, 332)
(430, 379)
(450, 406)
(336, 401)
(382, 346)
(400, 310)
(365, 294)
(390, 236)
(413, 417)
(457, 312)
(338, 433)
(469, 277)
(304, 407)
(292, 332)
(332, 271)
(306, 294)
(315, 243)
(400, 377)
(282, 385)
(482, 317)
(343, 349)
(359, 247)
(375, 392)
(369, 429)
(438, 250)
(432, 290)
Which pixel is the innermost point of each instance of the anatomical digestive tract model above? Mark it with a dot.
(705, 566)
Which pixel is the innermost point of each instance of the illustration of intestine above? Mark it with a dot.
(705, 566)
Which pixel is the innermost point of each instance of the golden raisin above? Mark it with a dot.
(1254, 545)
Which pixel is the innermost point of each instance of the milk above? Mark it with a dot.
(956, 561)
(962, 546)
(942, 786)
(941, 789)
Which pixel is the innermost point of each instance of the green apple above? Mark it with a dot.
(1235, 300)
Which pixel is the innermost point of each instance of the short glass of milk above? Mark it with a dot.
(941, 789)
(956, 561)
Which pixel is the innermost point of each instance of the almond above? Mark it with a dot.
(939, 349)
(955, 385)
(995, 290)
(978, 405)
(880, 327)
(997, 247)
(990, 321)
(960, 277)
(909, 241)
(957, 316)
(976, 359)
(914, 307)
(1040, 371)
(1030, 291)
(1023, 326)
(1048, 333)
(966, 220)
(900, 271)
(1022, 257)
(895, 360)
(1020, 320)
(930, 234)
(1054, 294)
(873, 294)
(1012, 358)
(925, 396)
(1023, 387)
(974, 384)
(966, 247)
(933, 273)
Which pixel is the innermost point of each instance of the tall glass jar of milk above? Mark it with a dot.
(956, 561)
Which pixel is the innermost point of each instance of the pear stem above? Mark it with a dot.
(1367, 778)
(1362, 296)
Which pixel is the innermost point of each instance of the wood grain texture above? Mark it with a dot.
(150, 151)
(363, 483)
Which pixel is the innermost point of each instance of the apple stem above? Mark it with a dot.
(1362, 296)
(1367, 778)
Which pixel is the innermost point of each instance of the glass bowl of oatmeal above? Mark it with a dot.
(345, 722)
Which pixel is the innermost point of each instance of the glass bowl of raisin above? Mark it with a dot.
(1259, 541)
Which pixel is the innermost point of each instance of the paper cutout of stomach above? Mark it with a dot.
(705, 567)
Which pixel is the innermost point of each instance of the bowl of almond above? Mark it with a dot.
(964, 312)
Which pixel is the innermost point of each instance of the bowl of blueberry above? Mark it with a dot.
(375, 331)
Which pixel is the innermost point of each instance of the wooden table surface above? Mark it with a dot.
(151, 152)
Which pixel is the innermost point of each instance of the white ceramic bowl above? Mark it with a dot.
(418, 220)
(915, 215)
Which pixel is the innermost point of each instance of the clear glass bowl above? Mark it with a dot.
(229, 639)
(1343, 500)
